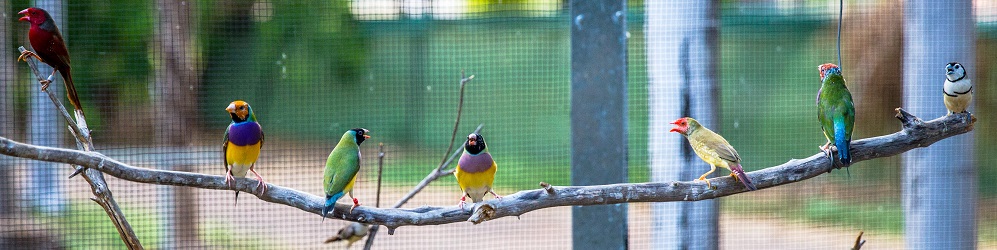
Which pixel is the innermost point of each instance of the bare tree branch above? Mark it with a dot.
(102, 194)
(915, 134)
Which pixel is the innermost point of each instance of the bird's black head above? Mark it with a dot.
(360, 134)
(474, 144)
(954, 71)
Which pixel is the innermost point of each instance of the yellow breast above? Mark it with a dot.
(476, 184)
(242, 155)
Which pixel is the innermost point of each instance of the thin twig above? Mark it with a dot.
(858, 242)
(438, 171)
(841, 16)
(98, 186)
(456, 124)
(377, 203)
(915, 134)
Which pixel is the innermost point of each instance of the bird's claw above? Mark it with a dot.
(356, 203)
(496, 195)
(44, 84)
(26, 53)
(229, 179)
(708, 185)
(261, 187)
(462, 201)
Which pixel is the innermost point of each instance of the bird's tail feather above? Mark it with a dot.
(736, 168)
(237, 197)
(842, 144)
(74, 99)
(330, 203)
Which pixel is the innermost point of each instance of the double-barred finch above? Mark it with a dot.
(50, 48)
(241, 149)
(713, 149)
(835, 111)
(958, 89)
(341, 169)
(475, 171)
(351, 233)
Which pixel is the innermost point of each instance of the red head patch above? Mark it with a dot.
(681, 125)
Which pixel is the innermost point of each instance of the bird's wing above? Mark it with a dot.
(341, 167)
(225, 149)
(59, 48)
(720, 147)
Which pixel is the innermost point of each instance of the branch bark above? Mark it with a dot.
(102, 194)
(915, 134)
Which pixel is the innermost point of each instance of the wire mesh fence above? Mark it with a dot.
(155, 78)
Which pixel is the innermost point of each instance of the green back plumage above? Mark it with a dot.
(834, 102)
(342, 165)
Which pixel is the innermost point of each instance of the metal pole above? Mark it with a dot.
(46, 129)
(599, 117)
(682, 55)
(939, 182)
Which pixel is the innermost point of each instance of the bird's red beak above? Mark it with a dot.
(24, 18)
(366, 136)
(676, 129)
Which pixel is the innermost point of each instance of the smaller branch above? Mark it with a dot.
(377, 203)
(98, 186)
(435, 174)
(460, 109)
(380, 172)
(859, 241)
(547, 187)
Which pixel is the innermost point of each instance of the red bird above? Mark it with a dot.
(50, 48)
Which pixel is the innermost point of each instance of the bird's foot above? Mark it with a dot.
(261, 186)
(462, 202)
(25, 54)
(827, 152)
(496, 195)
(708, 185)
(356, 203)
(735, 176)
(44, 84)
(229, 179)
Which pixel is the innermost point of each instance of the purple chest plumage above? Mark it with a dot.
(475, 163)
(245, 133)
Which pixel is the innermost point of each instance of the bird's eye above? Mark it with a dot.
(957, 66)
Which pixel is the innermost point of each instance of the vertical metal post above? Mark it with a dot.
(682, 55)
(939, 182)
(47, 128)
(8, 195)
(599, 118)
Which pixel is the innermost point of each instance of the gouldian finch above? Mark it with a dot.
(341, 169)
(957, 89)
(835, 111)
(243, 141)
(475, 170)
(713, 149)
(350, 233)
(50, 48)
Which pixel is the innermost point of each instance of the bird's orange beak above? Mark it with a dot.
(472, 142)
(24, 18)
(366, 136)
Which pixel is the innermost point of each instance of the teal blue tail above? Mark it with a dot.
(842, 143)
(330, 203)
